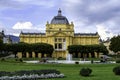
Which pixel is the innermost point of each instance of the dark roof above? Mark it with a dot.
(86, 34)
(59, 19)
(32, 33)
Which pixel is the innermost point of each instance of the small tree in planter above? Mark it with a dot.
(85, 72)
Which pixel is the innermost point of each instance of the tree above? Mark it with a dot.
(115, 44)
(43, 48)
(13, 48)
(17, 47)
(3, 51)
(1, 45)
(75, 49)
(86, 49)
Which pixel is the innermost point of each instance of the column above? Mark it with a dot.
(19, 55)
(27, 55)
(39, 55)
(33, 54)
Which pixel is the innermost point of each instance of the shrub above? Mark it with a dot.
(20, 60)
(76, 62)
(2, 59)
(118, 61)
(92, 61)
(4, 54)
(85, 71)
(116, 70)
(60, 58)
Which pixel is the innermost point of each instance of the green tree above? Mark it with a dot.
(13, 48)
(22, 47)
(1, 45)
(75, 49)
(17, 47)
(86, 49)
(3, 51)
(115, 44)
(43, 48)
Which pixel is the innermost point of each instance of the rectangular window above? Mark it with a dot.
(55, 39)
(63, 39)
(60, 45)
(55, 46)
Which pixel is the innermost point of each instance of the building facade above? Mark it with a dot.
(60, 33)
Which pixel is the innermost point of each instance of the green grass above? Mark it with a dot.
(71, 71)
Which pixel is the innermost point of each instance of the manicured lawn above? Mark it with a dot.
(71, 71)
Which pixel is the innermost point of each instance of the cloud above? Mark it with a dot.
(92, 13)
(93, 10)
(7, 4)
(87, 15)
(103, 31)
(27, 26)
(23, 25)
(22, 4)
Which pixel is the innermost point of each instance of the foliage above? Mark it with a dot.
(24, 47)
(85, 71)
(4, 54)
(76, 62)
(116, 70)
(118, 61)
(1, 45)
(20, 60)
(86, 49)
(115, 44)
(2, 59)
(43, 48)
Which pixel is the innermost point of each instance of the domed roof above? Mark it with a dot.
(59, 19)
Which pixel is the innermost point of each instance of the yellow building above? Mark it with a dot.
(60, 33)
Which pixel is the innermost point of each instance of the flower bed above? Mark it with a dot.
(30, 75)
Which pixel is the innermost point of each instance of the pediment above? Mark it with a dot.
(60, 34)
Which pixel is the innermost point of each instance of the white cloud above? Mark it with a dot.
(103, 31)
(26, 27)
(23, 25)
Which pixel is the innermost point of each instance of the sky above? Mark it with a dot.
(88, 16)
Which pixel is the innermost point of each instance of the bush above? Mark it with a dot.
(76, 62)
(116, 70)
(85, 71)
(60, 58)
(20, 60)
(92, 61)
(4, 54)
(118, 61)
(2, 59)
